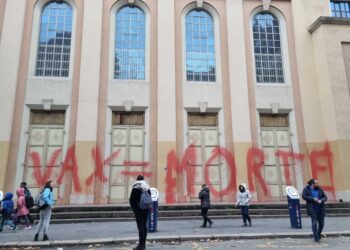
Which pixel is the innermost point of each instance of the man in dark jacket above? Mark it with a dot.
(6, 212)
(140, 214)
(315, 205)
(204, 196)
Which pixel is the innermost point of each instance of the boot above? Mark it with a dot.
(36, 236)
(45, 237)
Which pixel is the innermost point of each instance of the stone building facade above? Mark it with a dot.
(95, 92)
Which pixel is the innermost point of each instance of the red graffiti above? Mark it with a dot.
(99, 165)
(177, 169)
(286, 155)
(136, 173)
(255, 163)
(42, 179)
(174, 168)
(231, 187)
(325, 156)
(70, 165)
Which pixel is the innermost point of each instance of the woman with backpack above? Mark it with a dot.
(46, 199)
(141, 213)
(22, 210)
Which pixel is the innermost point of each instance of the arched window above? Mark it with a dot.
(200, 46)
(129, 60)
(267, 49)
(55, 36)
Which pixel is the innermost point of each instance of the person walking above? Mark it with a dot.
(29, 200)
(45, 211)
(243, 199)
(141, 214)
(7, 208)
(22, 210)
(204, 196)
(315, 205)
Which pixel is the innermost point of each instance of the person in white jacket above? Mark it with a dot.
(243, 199)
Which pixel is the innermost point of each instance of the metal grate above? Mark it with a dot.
(54, 47)
(200, 47)
(340, 9)
(267, 49)
(129, 60)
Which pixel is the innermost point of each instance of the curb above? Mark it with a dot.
(168, 238)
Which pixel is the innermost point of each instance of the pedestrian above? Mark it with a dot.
(315, 205)
(204, 196)
(29, 200)
(141, 214)
(22, 210)
(7, 208)
(243, 199)
(46, 197)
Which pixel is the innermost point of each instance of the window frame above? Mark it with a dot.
(284, 46)
(38, 10)
(338, 1)
(217, 36)
(113, 13)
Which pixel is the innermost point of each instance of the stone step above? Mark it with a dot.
(126, 207)
(120, 219)
(185, 212)
(96, 215)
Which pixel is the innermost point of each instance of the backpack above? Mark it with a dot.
(29, 200)
(39, 201)
(145, 201)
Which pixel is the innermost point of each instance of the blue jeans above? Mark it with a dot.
(317, 222)
(245, 214)
(6, 222)
(18, 219)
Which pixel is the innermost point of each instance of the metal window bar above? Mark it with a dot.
(129, 62)
(53, 56)
(267, 49)
(200, 47)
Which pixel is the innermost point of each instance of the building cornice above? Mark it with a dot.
(328, 20)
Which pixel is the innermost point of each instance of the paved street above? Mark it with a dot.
(340, 243)
(86, 231)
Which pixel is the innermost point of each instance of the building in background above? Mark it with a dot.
(186, 92)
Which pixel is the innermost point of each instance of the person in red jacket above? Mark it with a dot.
(22, 210)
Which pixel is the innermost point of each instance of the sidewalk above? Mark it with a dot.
(119, 232)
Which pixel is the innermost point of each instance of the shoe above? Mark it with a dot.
(14, 229)
(45, 238)
(250, 224)
(139, 248)
(36, 237)
(0, 230)
(210, 223)
(27, 228)
(203, 226)
(244, 225)
(317, 242)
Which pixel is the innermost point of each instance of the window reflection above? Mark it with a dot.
(200, 47)
(54, 47)
(340, 9)
(130, 35)
(267, 49)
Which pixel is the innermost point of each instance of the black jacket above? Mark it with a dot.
(135, 198)
(307, 196)
(204, 196)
